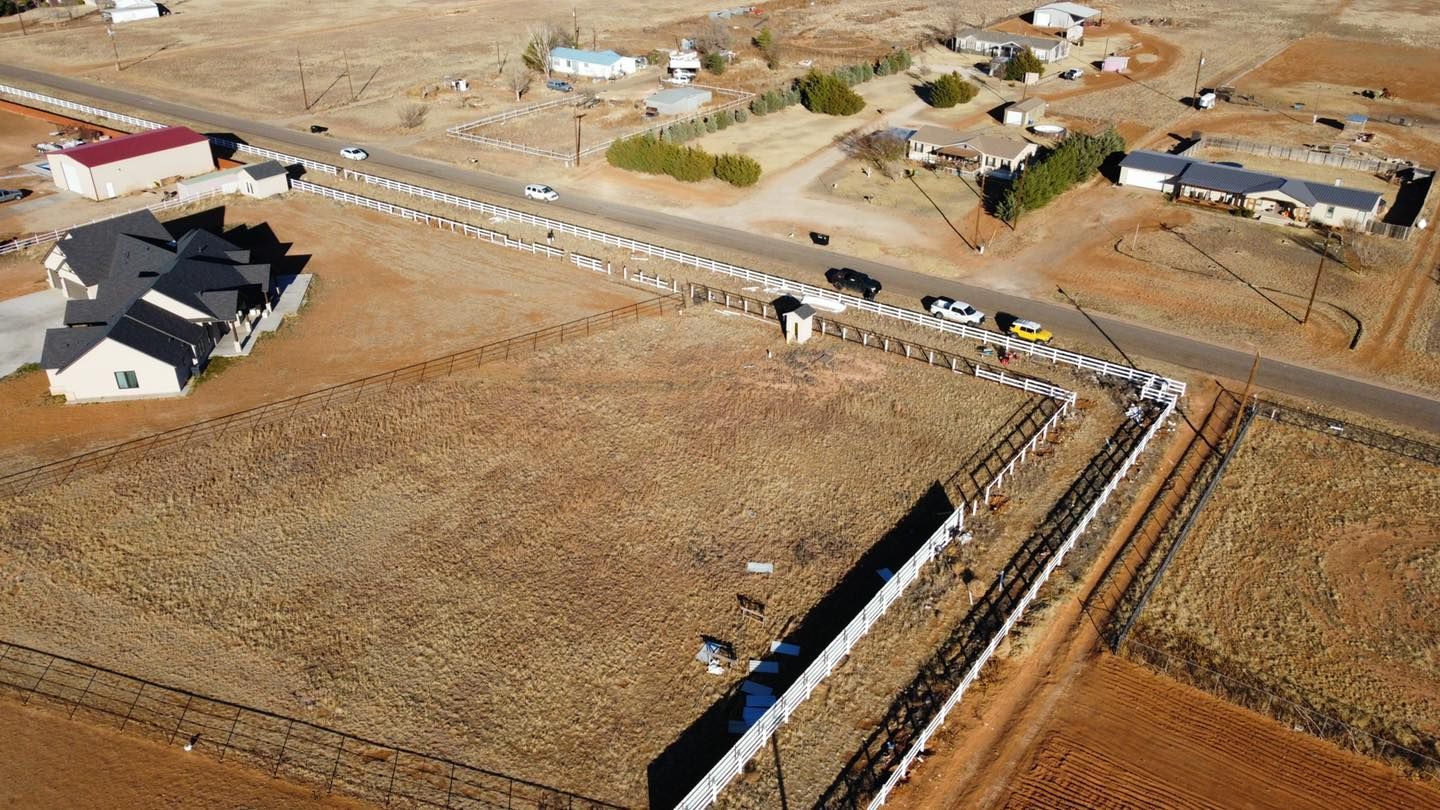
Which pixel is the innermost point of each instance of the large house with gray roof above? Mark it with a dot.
(147, 310)
(1273, 198)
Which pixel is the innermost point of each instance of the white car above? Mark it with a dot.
(1072, 74)
(958, 311)
(354, 153)
(535, 191)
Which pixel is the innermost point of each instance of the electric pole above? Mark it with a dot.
(304, 94)
(21, 14)
(348, 77)
(575, 23)
(1324, 249)
(979, 207)
(1195, 96)
(578, 117)
(115, 48)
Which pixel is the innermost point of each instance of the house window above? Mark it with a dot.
(126, 379)
(1330, 210)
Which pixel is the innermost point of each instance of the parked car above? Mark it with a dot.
(47, 147)
(958, 311)
(354, 153)
(1031, 331)
(843, 278)
(1071, 75)
(821, 239)
(10, 194)
(556, 84)
(319, 130)
(535, 191)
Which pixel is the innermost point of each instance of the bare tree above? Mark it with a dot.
(712, 37)
(540, 41)
(948, 27)
(412, 115)
(517, 78)
(884, 150)
(501, 58)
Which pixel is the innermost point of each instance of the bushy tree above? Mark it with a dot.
(737, 170)
(899, 60)
(690, 165)
(949, 90)
(1074, 160)
(713, 62)
(884, 150)
(764, 39)
(760, 105)
(827, 94)
(541, 40)
(1008, 208)
(769, 47)
(1021, 63)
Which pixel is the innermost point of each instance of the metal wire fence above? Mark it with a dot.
(137, 450)
(281, 746)
(1378, 439)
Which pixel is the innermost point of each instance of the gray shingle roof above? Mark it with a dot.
(202, 270)
(1231, 180)
(997, 38)
(260, 171)
(90, 249)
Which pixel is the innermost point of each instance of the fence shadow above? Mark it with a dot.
(691, 755)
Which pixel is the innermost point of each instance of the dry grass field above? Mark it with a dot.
(386, 293)
(508, 568)
(1333, 601)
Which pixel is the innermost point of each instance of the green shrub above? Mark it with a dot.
(713, 62)
(1021, 63)
(898, 61)
(723, 119)
(882, 68)
(711, 125)
(826, 94)
(760, 104)
(737, 170)
(1074, 160)
(1008, 208)
(690, 165)
(949, 90)
(740, 115)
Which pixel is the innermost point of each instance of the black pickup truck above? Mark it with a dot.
(843, 278)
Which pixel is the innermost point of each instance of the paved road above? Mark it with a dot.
(901, 286)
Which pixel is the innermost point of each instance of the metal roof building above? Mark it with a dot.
(105, 169)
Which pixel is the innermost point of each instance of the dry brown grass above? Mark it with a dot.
(509, 568)
(1314, 570)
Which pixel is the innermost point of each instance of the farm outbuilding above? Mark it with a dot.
(1064, 15)
(1024, 113)
(258, 180)
(106, 169)
(677, 101)
(591, 64)
(133, 10)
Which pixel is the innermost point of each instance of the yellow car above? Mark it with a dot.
(1031, 331)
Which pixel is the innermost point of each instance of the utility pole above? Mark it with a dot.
(1195, 96)
(575, 22)
(1244, 398)
(578, 117)
(498, 64)
(348, 77)
(114, 47)
(1324, 249)
(304, 94)
(21, 14)
(979, 206)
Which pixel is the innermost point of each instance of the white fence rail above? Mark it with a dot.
(923, 739)
(1153, 386)
(755, 737)
(493, 237)
(51, 236)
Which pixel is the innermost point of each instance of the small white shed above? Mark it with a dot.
(677, 101)
(1024, 113)
(131, 11)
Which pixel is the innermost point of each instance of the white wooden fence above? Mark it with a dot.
(1152, 386)
(923, 739)
(433, 220)
(51, 236)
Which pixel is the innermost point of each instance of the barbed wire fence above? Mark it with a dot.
(1346, 431)
(329, 760)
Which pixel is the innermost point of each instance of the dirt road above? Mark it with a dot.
(1374, 398)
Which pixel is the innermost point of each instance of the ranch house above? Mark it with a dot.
(591, 64)
(1271, 198)
(969, 153)
(147, 310)
(1002, 45)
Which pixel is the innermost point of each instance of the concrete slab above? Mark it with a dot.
(23, 322)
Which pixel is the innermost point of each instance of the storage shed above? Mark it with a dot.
(255, 180)
(1063, 15)
(1024, 113)
(106, 169)
(677, 101)
(132, 10)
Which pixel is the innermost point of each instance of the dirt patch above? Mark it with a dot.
(488, 607)
(387, 293)
(1340, 612)
(1349, 65)
(51, 761)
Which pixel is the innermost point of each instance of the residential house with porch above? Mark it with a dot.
(969, 153)
(1272, 198)
(1003, 45)
(147, 311)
